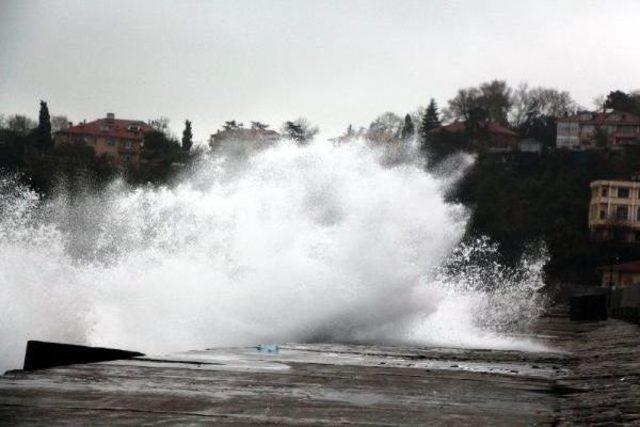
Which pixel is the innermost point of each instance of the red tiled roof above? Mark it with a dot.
(492, 127)
(628, 267)
(112, 128)
(600, 118)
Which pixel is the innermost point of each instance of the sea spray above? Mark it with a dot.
(320, 242)
(489, 303)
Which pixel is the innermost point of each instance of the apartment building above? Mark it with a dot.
(614, 212)
(589, 130)
(119, 140)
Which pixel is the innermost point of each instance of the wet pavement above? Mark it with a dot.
(591, 377)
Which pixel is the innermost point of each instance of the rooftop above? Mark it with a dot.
(111, 127)
(492, 127)
(614, 183)
(600, 118)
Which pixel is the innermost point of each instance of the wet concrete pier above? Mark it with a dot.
(592, 377)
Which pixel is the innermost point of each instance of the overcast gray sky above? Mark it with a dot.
(335, 62)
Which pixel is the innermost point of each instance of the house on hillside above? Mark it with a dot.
(121, 141)
(591, 130)
(614, 211)
(490, 135)
(254, 137)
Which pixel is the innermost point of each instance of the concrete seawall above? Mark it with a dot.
(591, 377)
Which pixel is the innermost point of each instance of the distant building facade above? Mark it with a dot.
(580, 131)
(492, 136)
(121, 141)
(614, 211)
(254, 137)
(621, 275)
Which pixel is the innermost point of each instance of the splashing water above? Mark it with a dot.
(313, 243)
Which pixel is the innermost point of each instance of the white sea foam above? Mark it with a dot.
(315, 243)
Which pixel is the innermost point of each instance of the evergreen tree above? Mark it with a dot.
(232, 125)
(430, 120)
(350, 131)
(299, 130)
(408, 129)
(44, 127)
(187, 136)
(259, 126)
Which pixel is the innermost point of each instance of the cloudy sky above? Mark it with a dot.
(335, 62)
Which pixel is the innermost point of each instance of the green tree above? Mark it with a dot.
(187, 136)
(299, 130)
(430, 121)
(495, 99)
(44, 128)
(408, 129)
(259, 126)
(232, 125)
(621, 101)
(159, 154)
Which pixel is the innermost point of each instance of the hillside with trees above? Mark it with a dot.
(520, 200)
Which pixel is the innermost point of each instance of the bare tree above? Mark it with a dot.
(20, 124)
(462, 104)
(599, 101)
(59, 123)
(528, 104)
(386, 127)
(160, 124)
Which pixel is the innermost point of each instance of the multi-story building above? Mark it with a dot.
(589, 130)
(119, 140)
(614, 212)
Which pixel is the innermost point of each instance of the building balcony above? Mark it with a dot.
(614, 223)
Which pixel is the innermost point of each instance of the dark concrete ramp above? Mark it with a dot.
(41, 355)
(592, 378)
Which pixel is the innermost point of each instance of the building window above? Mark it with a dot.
(605, 191)
(638, 216)
(622, 213)
(603, 214)
(623, 192)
